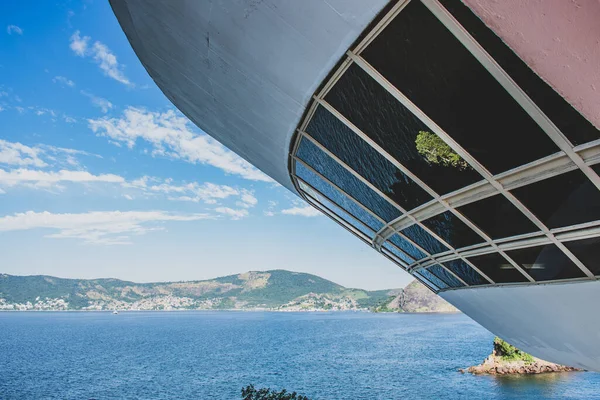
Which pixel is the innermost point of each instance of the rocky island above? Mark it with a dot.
(507, 359)
(275, 290)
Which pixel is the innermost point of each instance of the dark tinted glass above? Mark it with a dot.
(545, 263)
(562, 200)
(455, 232)
(588, 252)
(424, 239)
(393, 127)
(428, 276)
(362, 158)
(498, 217)
(419, 56)
(407, 247)
(466, 273)
(337, 211)
(445, 276)
(399, 254)
(497, 268)
(338, 198)
(326, 166)
(578, 129)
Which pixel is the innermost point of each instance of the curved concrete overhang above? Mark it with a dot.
(244, 71)
(557, 322)
(559, 40)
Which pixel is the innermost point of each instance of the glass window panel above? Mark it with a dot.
(497, 268)
(578, 129)
(424, 239)
(338, 211)
(399, 254)
(437, 73)
(545, 263)
(362, 158)
(425, 282)
(326, 166)
(466, 273)
(588, 252)
(562, 200)
(393, 127)
(445, 276)
(340, 199)
(428, 276)
(455, 232)
(498, 217)
(405, 245)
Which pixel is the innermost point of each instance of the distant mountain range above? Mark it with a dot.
(273, 290)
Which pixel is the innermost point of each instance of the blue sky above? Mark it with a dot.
(100, 176)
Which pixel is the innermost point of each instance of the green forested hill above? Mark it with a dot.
(276, 289)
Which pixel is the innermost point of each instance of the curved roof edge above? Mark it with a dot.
(244, 72)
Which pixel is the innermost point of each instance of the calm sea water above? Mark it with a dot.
(211, 355)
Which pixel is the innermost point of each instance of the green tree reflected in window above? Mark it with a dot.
(436, 151)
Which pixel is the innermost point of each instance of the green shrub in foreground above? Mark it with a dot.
(251, 393)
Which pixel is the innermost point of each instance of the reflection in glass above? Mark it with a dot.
(424, 239)
(393, 127)
(445, 276)
(498, 217)
(400, 254)
(341, 200)
(338, 211)
(465, 272)
(326, 166)
(408, 247)
(497, 268)
(545, 263)
(562, 200)
(450, 228)
(588, 252)
(362, 158)
(421, 58)
(431, 278)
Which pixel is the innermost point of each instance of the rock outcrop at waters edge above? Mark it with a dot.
(507, 359)
(417, 298)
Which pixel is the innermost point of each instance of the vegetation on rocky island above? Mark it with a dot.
(508, 352)
(506, 359)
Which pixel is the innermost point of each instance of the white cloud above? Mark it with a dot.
(39, 178)
(97, 227)
(63, 81)
(171, 136)
(128, 197)
(20, 154)
(108, 63)
(234, 214)
(306, 211)
(40, 155)
(99, 102)
(247, 199)
(79, 44)
(101, 54)
(10, 29)
(207, 192)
